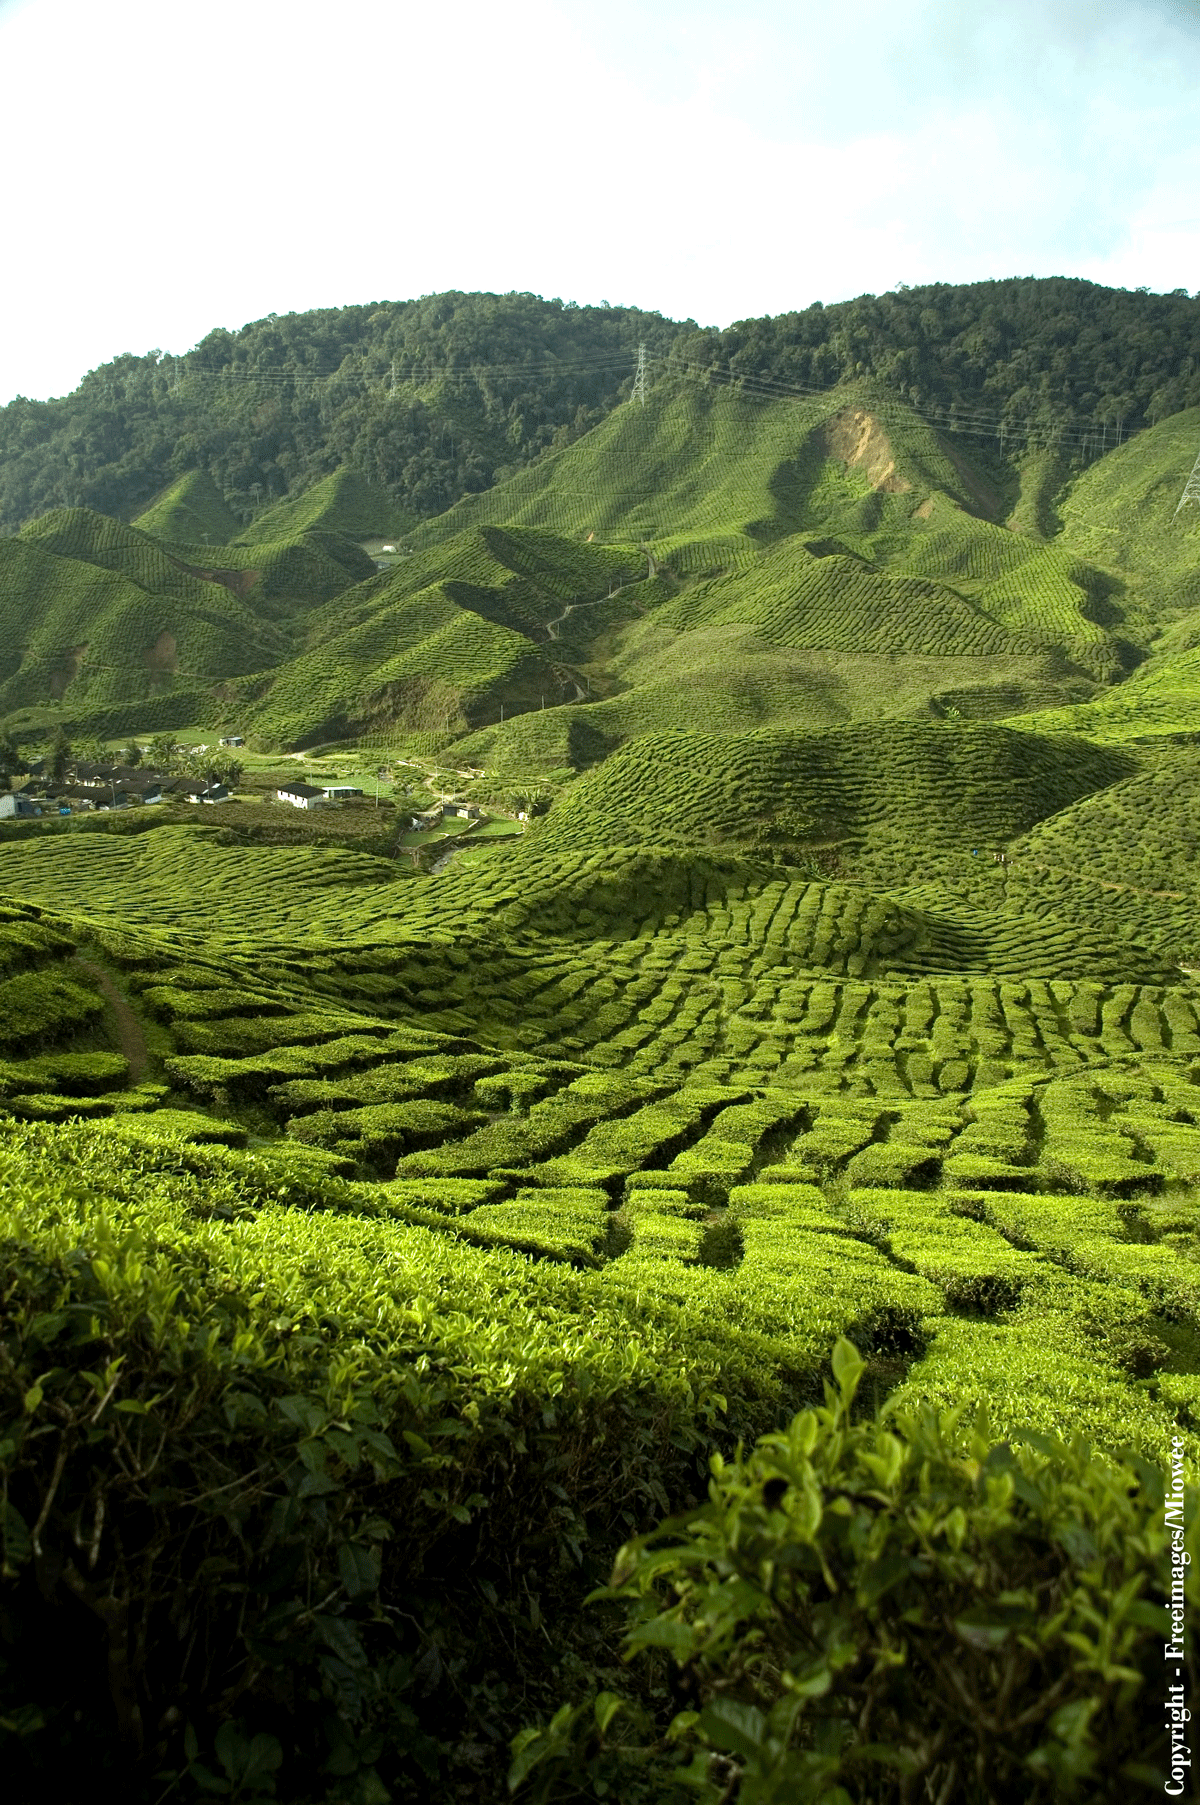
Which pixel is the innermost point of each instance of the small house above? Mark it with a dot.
(340, 792)
(201, 792)
(233, 739)
(15, 807)
(463, 811)
(300, 795)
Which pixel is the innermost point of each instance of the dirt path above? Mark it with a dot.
(552, 626)
(129, 1029)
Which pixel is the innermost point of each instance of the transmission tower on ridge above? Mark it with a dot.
(1191, 489)
(639, 381)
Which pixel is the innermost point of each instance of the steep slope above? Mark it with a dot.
(97, 614)
(444, 641)
(1141, 831)
(440, 397)
(1121, 512)
(838, 604)
(344, 502)
(192, 511)
(1160, 698)
(709, 473)
(421, 664)
(285, 578)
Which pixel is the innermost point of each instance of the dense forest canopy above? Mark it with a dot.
(439, 397)
(1053, 352)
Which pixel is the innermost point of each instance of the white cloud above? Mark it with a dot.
(181, 169)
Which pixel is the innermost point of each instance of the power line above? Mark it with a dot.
(957, 418)
(418, 373)
(954, 418)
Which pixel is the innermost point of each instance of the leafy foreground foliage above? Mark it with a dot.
(288, 1497)
(884, 1610)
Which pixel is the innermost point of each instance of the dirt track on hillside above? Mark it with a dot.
(129, 1029)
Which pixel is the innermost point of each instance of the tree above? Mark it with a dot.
(162, 751)
(11, 761)
(132, 754)
(60, 755)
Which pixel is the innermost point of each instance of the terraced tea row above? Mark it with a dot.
(837, 604)
(969, 785)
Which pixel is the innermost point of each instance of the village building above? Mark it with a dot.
(340, 792)
(189, 791)
(300, 795)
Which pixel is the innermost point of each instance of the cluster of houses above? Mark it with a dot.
(307, 795)
(84, 787)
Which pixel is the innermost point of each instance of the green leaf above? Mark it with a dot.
(342, 1638)
(605, 1709)
(664, 1632)
(18, 1543)
(233, 1750)
(681, 1723)
(359, 1570)
(207, 1780)
(848, 1367)
(303, 1413)
(734, 1727)
(265, 1757)
(956, 1527)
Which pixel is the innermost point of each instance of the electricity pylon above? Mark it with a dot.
(639, 380)
(1191, 489)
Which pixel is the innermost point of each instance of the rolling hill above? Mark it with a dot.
(401, 1218)
(191, 510)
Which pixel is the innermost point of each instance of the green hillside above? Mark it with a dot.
(344, 502)
(192, 511)
(440, 642)
(799, 1000)
(1122, 512)
(836, 604)
(709, 473)
(419, 664)
(714, 554)
(952, 786)
(97, 614)
(438, 398)
(289, 576)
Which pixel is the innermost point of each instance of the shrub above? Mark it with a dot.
(37, 1007)
(887, 1609)
(329, 1449)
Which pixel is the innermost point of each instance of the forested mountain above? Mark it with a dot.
(1059, 355)
(438, 398)
(430, 398)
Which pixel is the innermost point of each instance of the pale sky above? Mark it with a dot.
(169, 169)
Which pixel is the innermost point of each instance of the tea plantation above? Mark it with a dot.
(798, 1109)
